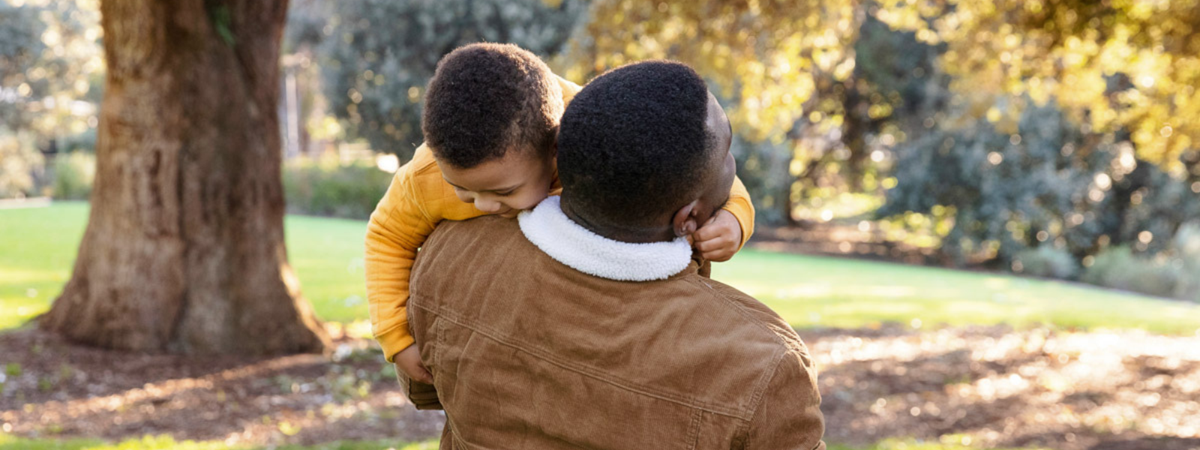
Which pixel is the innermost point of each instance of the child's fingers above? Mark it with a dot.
(708, 246)
(409, 361)
(719, 255)
(711, 231)
(721, 243)
(423, 375)
(706, 233)
(417, 372)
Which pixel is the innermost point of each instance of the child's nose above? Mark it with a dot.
(487, 206)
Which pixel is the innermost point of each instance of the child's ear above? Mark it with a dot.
(684, 221)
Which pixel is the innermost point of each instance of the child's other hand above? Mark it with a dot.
(408, 361)
(720, 238)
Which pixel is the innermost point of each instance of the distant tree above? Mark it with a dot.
(790, 70)
(765, 57)
(810, 85)
(1047, 183)
(1114, 66)
(50, 70)
(20, 49)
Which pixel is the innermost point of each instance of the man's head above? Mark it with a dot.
(491, 114)
(643, 153)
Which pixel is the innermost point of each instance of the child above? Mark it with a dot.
(490, 119)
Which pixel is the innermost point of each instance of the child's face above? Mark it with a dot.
(506, 186)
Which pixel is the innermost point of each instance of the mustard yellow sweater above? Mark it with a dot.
(417, 200)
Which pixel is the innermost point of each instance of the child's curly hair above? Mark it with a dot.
(486, 99)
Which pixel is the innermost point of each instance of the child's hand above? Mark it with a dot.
(408, 361)
(720, 238)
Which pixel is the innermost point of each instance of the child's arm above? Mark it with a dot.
(397, 229)
(742, 208)
(730, 228)
(417, 200)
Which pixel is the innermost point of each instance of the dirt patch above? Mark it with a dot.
(53, 388)
(986, 386)
(992, 386)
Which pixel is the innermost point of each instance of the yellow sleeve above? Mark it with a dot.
(417, 200)
(739, 204)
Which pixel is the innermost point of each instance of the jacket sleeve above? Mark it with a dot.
(739, 204)
(398, 227)
(789, 414)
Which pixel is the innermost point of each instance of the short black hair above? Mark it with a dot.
(486, 99)
(633, 144)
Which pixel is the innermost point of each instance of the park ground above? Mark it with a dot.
(911, 358)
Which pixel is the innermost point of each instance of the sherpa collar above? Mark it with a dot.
(547, 227)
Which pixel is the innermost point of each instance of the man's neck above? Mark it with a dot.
(637, 235)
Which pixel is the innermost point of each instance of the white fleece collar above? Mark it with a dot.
(547, 227)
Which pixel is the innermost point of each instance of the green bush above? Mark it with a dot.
(1167, 275)
(73, 176)
(318, 188)
(19, 161)
(1050, 182)
(327, 188)
(1047, 261)
(1186, 246)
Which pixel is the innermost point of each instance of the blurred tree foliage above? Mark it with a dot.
(1113, 65)
(20, 48)
(51, 75)
(1000, 195)
(1074, 126)
(377, 55)
(1004, 127)
(51, 68)
(765, 55)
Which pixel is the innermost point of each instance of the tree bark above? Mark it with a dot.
(184, 247)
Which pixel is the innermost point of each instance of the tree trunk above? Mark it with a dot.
(184, 248)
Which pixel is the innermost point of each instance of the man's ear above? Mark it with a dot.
(684, 222)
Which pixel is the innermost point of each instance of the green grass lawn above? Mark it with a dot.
(821, 291)
(37, 250)
(37, 247)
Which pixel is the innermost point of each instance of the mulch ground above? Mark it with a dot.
(982, 386)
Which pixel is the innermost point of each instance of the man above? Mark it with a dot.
(586, 324)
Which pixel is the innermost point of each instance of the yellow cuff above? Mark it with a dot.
(744, 214)
(394, 340)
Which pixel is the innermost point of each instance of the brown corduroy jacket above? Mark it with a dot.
(527, 353)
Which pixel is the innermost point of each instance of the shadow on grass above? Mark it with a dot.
(1008, 389)
(53, 388)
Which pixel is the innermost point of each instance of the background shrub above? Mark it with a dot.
(1047, 261)
(73, 176)
(1187, 248)
(1171, 274)
(19, 162)
(329, 188)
